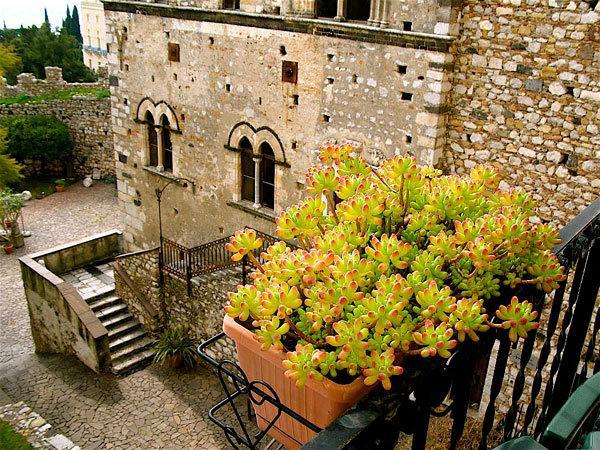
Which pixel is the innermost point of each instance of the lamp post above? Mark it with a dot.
(159, 193)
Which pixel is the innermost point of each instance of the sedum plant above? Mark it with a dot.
(394, 261)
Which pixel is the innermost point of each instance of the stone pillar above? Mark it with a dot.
(341, 10)
(161, 156)
(373, 14)
(53, 74)
(256, 182)
(385, 13)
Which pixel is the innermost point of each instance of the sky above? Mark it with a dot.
(31, 12)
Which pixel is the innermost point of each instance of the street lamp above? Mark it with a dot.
(159, 193)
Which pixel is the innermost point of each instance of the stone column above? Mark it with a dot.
(159, 142)
(341, 10)
(373, 14)
(385, 13)
(257, 182)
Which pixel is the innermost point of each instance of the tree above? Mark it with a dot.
(75, 29)
(40, 47)
(67, 19)
(10, 63)
(10, 170)
(46, 20)
(42, 138)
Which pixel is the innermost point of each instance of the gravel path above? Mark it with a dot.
(152, 409)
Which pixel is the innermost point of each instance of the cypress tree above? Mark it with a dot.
(67, 20)
(46, 20)
(75, 25)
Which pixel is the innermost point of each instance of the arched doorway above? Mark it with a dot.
(358, 10)
(327, 8)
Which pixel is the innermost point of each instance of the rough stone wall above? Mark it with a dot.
(34, 427)
(142, 269)
(28, 84)
(346, 90)
(526, 99)
(89, 123)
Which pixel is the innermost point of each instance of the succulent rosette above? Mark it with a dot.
(391, 262)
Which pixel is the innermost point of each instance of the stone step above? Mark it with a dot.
(135, 362)
(104, 302)
(114, 321)
(111, 310)
(134, 347)
(96, 293)
(122, 328)
(125, 339)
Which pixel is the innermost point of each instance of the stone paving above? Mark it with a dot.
(92, 281)
(155, 408)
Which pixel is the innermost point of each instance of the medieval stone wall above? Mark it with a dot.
(388, 99)
(89, 123)
(526, 98)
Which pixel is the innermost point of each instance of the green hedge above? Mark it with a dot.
(43, 138)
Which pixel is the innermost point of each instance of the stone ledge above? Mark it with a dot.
(263, 213)
(344, 30)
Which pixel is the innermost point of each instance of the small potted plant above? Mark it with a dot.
(10, 210)
(175, 348)
(396, 262)
(60, 185)
(8, 247)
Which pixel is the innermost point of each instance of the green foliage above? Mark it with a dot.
(65, 94)
(10, 208)
(61, 182)
(10, 62)
(10, 170)
(407, 263)
(10, 439)
(174, 342)
(41, 47)
(71, 24)
(38, 137)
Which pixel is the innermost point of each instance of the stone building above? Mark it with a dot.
(94, 34)
(236, 96)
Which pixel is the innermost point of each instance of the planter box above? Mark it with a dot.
(319, 402)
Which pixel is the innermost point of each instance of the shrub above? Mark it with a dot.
(395, 261)
(43, 138)
(10, 170)
(174, 342)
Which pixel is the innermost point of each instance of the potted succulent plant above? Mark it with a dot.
(8, 247)
(395, 262)
(176, 348)
(60, 185)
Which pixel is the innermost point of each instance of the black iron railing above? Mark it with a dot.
(565, 349)
(188, 263)
(556, 359)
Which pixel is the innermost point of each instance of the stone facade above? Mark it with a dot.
(526, 98)
(382, 89)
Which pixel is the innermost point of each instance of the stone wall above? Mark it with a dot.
(88, 119)
(137, 283)
(34, 428)
(526, 98)
(60, 319)
(384, 92)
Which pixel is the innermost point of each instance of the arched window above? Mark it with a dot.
(358, 9)
(152, 140)
(267, 176)
(327, 8)
(167, 145)
(248, 170)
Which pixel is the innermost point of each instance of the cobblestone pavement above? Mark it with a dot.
(152, 409)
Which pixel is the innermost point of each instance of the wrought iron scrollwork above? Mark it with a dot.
(257, 393)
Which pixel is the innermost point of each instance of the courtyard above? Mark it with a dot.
(153, 408)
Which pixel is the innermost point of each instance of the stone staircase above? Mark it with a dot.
(130, 346)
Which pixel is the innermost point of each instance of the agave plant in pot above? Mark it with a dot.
(395, 262)
(176, 348)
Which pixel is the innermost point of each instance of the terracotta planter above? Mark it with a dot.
(8, 248)
(319, 402)
(174, 361)
(59, 188)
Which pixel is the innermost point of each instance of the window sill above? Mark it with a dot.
(166, 175)
(262, 212)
